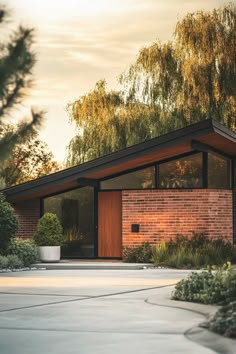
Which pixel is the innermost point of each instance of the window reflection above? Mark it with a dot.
(75, 210)
(219, 171)
(185, 172)
(140, 179)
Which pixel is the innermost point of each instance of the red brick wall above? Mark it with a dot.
(164, 213)
(28, 213)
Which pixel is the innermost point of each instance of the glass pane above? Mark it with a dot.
(219, 172)
(75, 210)
(140, 179)
(185, 172)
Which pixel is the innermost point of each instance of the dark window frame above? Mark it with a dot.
(95, 226)
(223, 157)
(156, 164)
(189, 187)
(126, 173)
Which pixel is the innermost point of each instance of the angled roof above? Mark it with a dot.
(205, 134)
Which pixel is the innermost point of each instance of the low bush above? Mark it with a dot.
(224, 321)
(14, 262)
(10, 262)
(213, 287)
(26, 250)
(8, 224)
(3, 262)
(208, 287)
(138, 254)
(195, 252)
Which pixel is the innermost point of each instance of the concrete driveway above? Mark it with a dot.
(89, 311)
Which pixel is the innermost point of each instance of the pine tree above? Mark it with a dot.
(16, 62)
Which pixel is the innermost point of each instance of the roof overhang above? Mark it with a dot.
(208, 133)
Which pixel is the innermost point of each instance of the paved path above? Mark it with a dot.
(102, 312)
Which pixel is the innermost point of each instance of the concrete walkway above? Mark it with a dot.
(92, 265)
(102, 312)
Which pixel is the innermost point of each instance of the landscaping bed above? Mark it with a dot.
(213, 286)
(183, 252)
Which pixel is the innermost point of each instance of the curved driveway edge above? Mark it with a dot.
(198, 334)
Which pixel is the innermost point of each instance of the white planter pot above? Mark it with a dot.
(50, 253)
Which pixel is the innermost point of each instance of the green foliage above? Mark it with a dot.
(2, 183)
(208, 287)
(161, 253)
(26, 251)
(14, 261)
(193, 77)
(139, 254)
(224, 321)
(49, 231)
(3, 262)
(106, 122)
(10, 262)
(16, 62)
(169, 86)
(8, 223)
(30, 159)
(195, 252)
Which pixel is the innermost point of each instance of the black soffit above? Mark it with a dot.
(189, 133)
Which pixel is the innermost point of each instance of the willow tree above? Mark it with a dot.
(194, 76)
(105, 123)
(169, 86)
(205, 45)
(16, 62)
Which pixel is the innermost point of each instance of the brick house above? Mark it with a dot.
(178, 183)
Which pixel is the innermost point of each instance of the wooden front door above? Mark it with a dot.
(109, 224)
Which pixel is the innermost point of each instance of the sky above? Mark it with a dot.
(78, 42)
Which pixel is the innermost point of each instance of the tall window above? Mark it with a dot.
(219, 171)
(140, 179)
(185, 172)
(75, 210)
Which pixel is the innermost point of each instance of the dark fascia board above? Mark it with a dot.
(223, 131)
(198, 146)
(73, 173)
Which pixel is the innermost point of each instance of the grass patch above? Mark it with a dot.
(195, 252)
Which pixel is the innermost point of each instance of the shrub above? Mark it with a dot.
(49, 231)
(3, 262)
(194, 252)
(8, 224)
(194, 288)
(224, 321)
(14, 262)
(26, 250)
(208, 287)
(10, 262)
(139, 254)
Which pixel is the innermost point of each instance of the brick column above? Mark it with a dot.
(28, 213)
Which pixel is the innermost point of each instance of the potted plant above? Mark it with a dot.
(49, 237)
